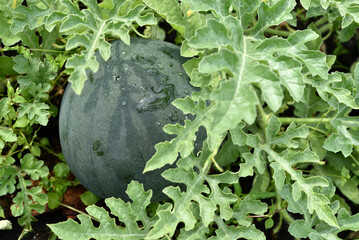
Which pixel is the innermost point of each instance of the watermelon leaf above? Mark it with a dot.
(128, 213)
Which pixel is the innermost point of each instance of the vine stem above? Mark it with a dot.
(78, 211)
(287, 120)
(45, 50)
(266, 215)
(277, 32)
(284, 213)
(12, 149)
(138, 33)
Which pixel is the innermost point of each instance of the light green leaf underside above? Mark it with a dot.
(169, 10)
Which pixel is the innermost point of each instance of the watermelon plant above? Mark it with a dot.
(276, 95)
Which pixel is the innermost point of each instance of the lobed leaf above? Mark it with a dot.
(232, 232)
(7, 180)
(247, 206)
(32, 167)
(169, 10)
(194, 182)
(272, 15)
(128, 213)
(167, 152)
(346, 136)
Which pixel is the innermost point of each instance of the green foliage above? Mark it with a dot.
(272, 101)
(128, 213)
(24, 109)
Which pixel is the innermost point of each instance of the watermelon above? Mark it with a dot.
(109, 131)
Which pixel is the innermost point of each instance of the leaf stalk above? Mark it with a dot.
(288, 120)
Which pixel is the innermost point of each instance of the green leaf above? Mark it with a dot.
(35, 111)
(294, 206)
(35, 150)
(35, 70)
(219, 6)
(229, 153)
(348, 188)
(282, 163)
(346, 136)
(4, 107)
(198, 232)
(7, 180)
(171, 11)
(247, 8)
(88, 29)
(127, 213)
(272, 15)
(31, 166)
(61, 170)
(269, 223)
(300, 229)
(26, 201)
(247, 206)
(89, 198)
(167, 152)
(338, 85)
(311, 104)
(232, 232)
(6, 35)
(313, 60)
(236, 102)
(336, 143)
(289, 71)
(7, 134)
(6, 66)
(193, 180)
(292, 132)
(260, 183)
(206, 37)
(21, 122)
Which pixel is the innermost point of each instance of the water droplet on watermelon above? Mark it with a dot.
(152, 71)
(124, 103)
(158, 123)
(126, 68)
(139, 154)
(159, 98)
(160, 66)
(123, 53)
(116, 77)
(180, 73)
(108, 66)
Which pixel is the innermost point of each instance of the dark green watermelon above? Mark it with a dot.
(109, 131)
